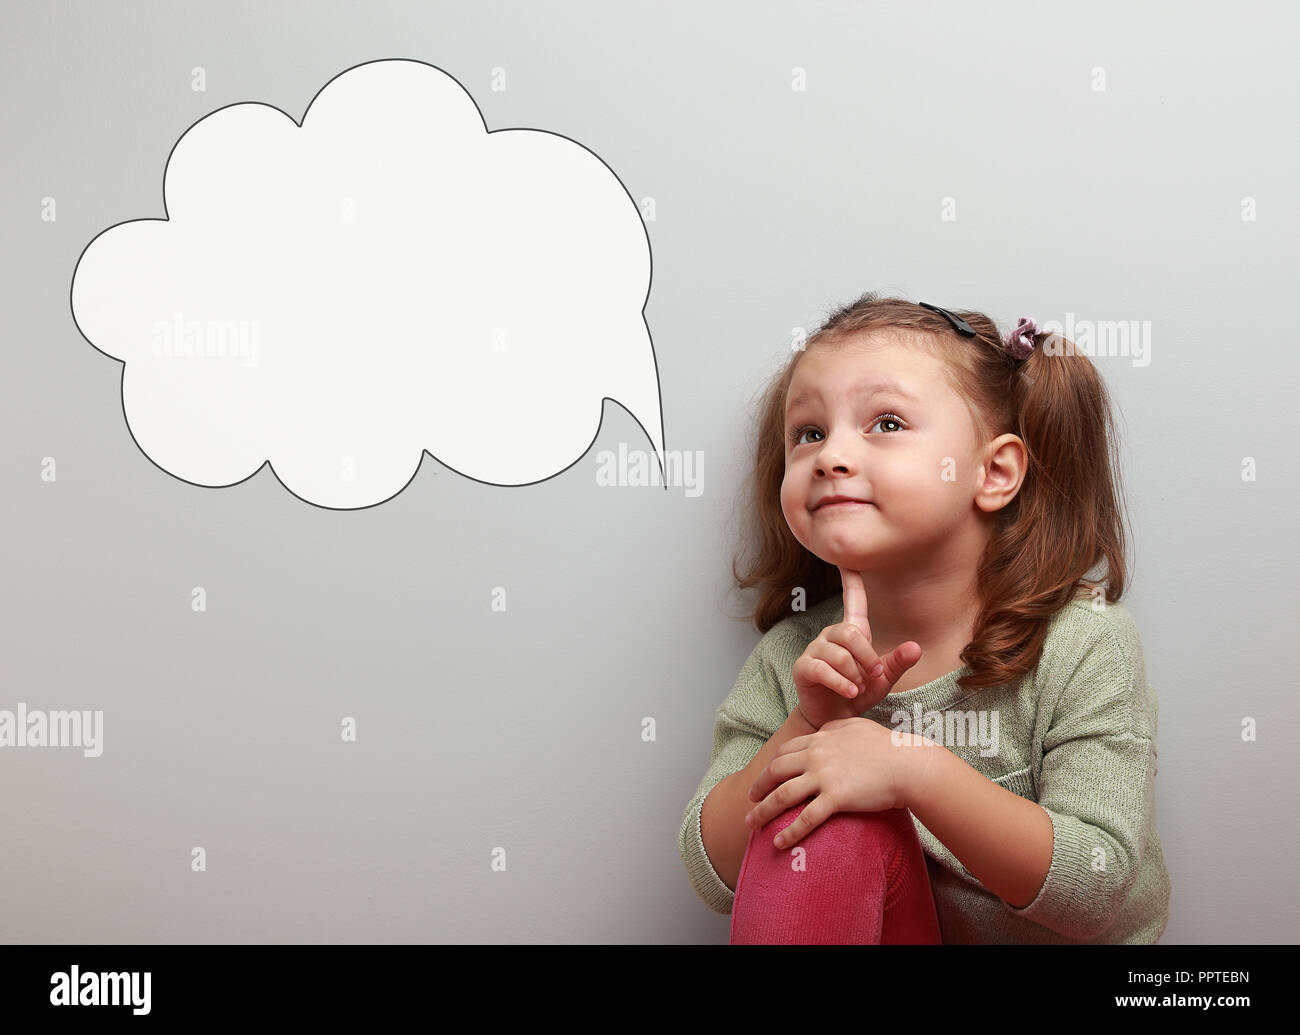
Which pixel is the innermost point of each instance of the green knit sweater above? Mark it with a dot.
(1077, 735)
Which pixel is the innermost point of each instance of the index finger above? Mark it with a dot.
(855, 599)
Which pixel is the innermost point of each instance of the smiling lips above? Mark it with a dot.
(840, 501)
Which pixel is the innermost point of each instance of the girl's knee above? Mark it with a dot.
(848, 830)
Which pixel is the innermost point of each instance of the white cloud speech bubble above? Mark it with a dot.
(336, 298)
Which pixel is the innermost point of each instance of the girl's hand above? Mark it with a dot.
(835, 677)
(851, 765)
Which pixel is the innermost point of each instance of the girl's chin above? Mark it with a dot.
(855, 557)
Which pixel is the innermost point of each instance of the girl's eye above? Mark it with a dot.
(797, 433)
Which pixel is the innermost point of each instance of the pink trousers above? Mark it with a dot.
(860, 879)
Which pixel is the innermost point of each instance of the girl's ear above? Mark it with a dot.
(1004, 473)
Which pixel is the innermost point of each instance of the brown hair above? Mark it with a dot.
(1065, 519)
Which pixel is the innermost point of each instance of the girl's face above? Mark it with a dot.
(879, 425)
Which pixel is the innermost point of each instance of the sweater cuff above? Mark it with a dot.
(1076, 899)
(708, 885)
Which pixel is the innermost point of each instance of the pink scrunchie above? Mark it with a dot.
(1020, 342)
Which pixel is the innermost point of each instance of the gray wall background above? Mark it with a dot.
(522, 730)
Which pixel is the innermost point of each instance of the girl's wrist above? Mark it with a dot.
(798, 716)
(912, 763)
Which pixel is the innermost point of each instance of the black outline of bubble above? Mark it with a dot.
(423, 452)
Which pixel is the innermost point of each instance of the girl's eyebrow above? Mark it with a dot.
(862, 388)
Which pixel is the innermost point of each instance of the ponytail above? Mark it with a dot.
(1063, 522)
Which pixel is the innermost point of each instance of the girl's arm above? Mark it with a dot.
(1004, 840)
(722, 816)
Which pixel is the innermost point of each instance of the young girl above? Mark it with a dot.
(956, 741)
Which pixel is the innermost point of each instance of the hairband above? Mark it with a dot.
(1019, 343)
(959, 325)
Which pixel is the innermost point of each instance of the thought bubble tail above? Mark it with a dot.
(655, 433)
(639, 394)
(651, 421)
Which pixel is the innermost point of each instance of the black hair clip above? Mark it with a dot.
(959, 325)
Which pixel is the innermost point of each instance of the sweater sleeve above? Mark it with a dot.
(743, 723)
(1097, 785)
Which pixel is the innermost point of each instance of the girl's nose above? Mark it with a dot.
(833, 458)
